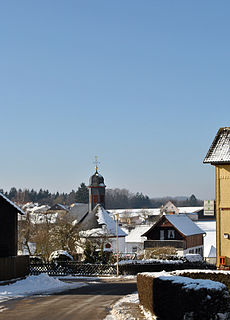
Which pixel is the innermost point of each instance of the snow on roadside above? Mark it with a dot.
(41, 284)
(119, 309)
(85, 278)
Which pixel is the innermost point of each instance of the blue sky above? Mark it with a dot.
(142, 84)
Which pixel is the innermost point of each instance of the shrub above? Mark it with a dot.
(175, 297)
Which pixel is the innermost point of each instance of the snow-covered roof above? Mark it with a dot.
(190, 209)
(184, 224)
(212, 252)
(219, 152)
(58, 253)
(135, 235)
(13, 204)
(150, 212)
(97, 232)
(103, 218)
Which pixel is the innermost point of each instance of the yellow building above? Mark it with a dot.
(219, 156)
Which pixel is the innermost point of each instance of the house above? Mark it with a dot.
(219, 156)
(135, 241)
(11, 265)
(58, 208)
(130, 218)
(176, 231)
(169, 208)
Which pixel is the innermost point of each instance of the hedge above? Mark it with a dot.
(175, 297)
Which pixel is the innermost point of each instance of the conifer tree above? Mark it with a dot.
(82, 194)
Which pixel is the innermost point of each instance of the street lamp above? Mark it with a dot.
(117, 244)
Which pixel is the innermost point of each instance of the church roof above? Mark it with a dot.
(219, 152)
(96, 180)
(79, 210)
(99, 218)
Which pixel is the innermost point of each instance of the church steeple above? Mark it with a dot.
(96, 188)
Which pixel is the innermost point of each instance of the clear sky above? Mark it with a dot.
(144, 85)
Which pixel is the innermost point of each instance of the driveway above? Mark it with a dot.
(90, 302)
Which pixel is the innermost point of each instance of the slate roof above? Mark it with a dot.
(58, 206)
(98, 218)
(12, 204)
(219, 152)
(79, 210)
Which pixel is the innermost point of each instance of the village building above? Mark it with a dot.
(219, 156)
(135, 241)
(58, 208)
(175, 231)
(11, 265)
(94, 222)
(169, 208)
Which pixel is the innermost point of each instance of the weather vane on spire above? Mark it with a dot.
(96, 162)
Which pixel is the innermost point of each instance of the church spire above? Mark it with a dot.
(96, 188)
(96, 163)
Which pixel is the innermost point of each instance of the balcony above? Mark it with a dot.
(178, 244)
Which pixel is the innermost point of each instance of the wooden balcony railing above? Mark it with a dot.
(178, 244)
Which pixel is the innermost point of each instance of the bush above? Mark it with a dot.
(178, 297)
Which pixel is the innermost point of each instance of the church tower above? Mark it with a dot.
(96, 190)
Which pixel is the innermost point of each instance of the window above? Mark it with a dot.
(102, 198)
(134, 249)
(171, 234)
(95, 198)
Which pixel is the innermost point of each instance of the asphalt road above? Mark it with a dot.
(90, 302)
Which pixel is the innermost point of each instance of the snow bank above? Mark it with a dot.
(193, 257)
(42, 284)
(148, 261)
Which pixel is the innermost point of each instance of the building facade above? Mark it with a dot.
(219, 156)
(175, 231)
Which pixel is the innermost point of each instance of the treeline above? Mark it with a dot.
(115, 198)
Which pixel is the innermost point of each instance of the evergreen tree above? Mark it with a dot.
(192, 200)
(82, 194)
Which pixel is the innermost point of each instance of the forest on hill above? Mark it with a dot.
(115, 198)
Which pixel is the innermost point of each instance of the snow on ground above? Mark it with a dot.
(145, 261)
(42, 284)
(210, 239)
(119, 310)
(95, 278)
